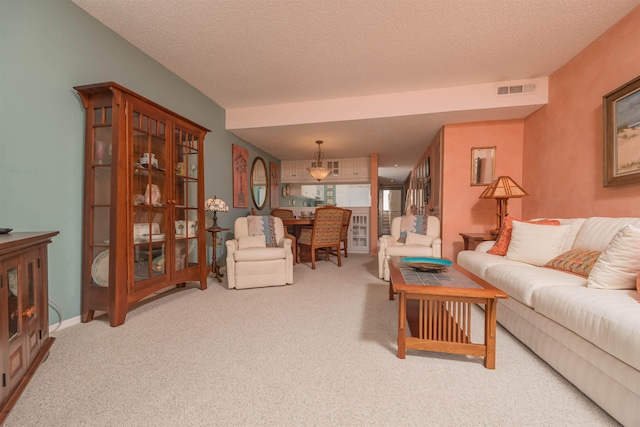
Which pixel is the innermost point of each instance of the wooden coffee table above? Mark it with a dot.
(437, 307)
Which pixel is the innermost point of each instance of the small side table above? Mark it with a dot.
(471, 240)
(214, 265)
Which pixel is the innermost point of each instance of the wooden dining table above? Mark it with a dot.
(297, 224)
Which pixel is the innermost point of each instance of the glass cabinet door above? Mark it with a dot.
(186, 146)
(17, 357)
(150, 196)
(100, 148)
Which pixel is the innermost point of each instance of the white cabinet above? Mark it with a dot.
(315, 192)
(342, 170)
(295, 171)
(356, 169)
(359, 231)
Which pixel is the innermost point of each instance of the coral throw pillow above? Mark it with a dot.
(502, 244)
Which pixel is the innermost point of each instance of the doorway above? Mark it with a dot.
(391, 200)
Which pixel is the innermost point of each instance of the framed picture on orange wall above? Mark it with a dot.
(621, 110)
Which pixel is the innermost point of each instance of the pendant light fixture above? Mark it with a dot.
(318, 171)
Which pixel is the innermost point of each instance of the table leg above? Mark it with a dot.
(402, 324)
(490, 333)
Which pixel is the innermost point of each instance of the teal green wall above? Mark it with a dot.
(46, 48)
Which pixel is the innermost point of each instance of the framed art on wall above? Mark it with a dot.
(274, 182)
(621, 109)
(240, 177)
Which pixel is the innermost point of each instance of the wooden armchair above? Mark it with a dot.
(325, 234)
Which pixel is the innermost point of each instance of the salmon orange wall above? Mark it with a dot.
(563, 141)
(462, 211)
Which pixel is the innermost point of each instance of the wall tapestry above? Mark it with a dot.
(622, 134)
(274, 175)
(240, 177)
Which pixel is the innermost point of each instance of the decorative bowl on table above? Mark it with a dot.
(427, 264)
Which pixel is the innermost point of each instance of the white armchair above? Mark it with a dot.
(251, 262)
(415, 244)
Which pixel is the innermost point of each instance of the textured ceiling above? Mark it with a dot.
(248, 53)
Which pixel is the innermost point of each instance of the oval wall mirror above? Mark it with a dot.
(259, 183)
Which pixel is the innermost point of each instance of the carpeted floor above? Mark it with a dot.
(319, 352)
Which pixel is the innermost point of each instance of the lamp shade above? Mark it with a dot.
(503, 187)
(215, 205)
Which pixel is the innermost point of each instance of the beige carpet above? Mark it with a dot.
(319, 352)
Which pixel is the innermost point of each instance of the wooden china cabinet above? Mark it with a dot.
(144, 217)
(24, 323)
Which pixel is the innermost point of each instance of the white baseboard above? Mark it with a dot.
(65, 324)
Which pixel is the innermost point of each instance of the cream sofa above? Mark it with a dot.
(250, 263)
(590, 336)
(416, 244)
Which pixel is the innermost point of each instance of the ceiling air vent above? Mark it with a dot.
(507, 90)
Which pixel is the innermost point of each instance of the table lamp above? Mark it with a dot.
(215, 205)
(502, 189)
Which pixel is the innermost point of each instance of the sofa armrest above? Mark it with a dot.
(437, 247)
(485, 246)
(385, 241)
(232, 246)
(286, 242)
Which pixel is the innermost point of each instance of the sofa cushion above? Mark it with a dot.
(619, 264)
(607, 318)
(520, 281)
(245, 242)
(502, 243)
(409, 250)
(536, 244)
(575, 261)
(477, 262)
(419, 239)
(596, 232)
(259, 254)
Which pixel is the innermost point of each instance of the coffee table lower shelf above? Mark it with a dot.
(439, 317)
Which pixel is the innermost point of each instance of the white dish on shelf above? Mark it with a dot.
(12, 276)
(154, 238)
(100, 269)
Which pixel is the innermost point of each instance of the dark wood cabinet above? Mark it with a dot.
(24, 309)
(143, 201)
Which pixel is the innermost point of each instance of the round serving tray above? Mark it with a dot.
(427, 264)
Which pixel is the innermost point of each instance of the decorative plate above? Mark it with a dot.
(427, 264)
(5, 230)
(100, 269)
(12, 275)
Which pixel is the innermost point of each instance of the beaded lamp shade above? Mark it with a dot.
(215, 205)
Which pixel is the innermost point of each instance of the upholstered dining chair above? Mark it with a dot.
(344, 232)
(289, 232)
(325, 234)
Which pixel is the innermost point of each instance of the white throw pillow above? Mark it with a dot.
(536, 244)
(619, 264)
(245, 242)
(418, 239)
